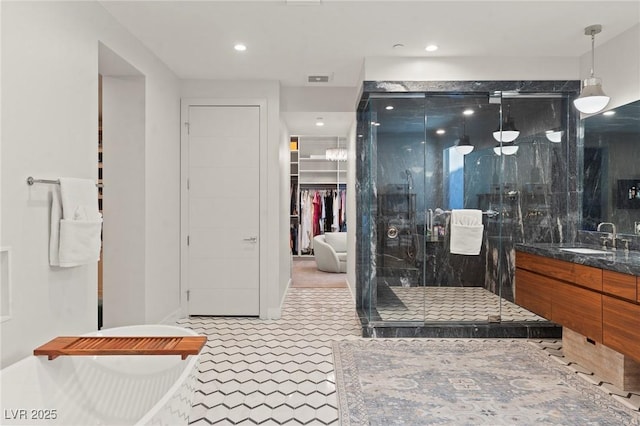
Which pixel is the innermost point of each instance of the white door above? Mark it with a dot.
(223, 210)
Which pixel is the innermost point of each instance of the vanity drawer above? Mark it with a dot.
(585, 276)
(621, 326)
(578, 309)
(621, 285)
(534, 292)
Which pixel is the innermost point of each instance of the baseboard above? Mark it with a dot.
(172, 318)
(353, 296)
(277, 312)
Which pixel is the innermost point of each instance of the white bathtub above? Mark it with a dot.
(102, 390)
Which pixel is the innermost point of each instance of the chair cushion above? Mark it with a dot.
(342, 256)
(337, 240)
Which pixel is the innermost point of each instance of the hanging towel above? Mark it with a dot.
(466, 232)
(79, 228)
(54, 236)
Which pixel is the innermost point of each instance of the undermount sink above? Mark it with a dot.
(585, 250)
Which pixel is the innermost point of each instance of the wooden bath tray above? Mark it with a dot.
(122, 345)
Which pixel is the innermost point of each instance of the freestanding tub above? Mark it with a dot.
(101, 390)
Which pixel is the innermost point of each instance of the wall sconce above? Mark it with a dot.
(592, 98)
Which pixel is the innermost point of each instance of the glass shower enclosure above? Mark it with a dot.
(498, 157)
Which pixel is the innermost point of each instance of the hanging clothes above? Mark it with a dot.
(306, 221)
(317, 212)
(335, 200)
(328, 205)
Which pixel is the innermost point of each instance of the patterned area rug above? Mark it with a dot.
(464, 382)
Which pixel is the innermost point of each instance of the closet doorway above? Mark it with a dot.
(221, 208)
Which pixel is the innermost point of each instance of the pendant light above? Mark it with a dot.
(464, 146)
(554, 135)
(507, 132)
(592, 98)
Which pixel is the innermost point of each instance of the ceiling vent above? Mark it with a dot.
(318, 78)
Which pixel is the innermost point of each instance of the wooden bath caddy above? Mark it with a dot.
(122, 345)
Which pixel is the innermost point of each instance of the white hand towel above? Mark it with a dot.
(466, 232)
(81, 223)
(54, 236)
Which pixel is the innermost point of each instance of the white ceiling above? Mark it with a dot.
(288, 42)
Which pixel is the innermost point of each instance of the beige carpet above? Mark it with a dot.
(306, 275)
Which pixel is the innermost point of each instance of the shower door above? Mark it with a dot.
(415, 172)
(418, 177)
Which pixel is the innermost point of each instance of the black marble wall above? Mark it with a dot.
(402, 174)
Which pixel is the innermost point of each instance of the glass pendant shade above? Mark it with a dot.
(464, 146)
(336, 154)
(505, 149)
(509, 133)
(592, 99)
(554, 136)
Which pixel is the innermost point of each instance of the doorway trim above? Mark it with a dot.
(185, 104)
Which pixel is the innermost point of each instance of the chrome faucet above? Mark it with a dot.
(612, 236)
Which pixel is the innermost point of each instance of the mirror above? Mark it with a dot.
(611, 179)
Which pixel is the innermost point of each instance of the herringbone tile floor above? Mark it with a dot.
(280, 372)
(274, 372)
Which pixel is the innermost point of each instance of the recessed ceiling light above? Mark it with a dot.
(389, 107)
(319, 122)
(441, 131)
(468, 111)
(608, 113)
(240, 47)
(431, 48)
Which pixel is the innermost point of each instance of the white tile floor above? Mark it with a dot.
(396, 303)
(280, 372)
(276, 372)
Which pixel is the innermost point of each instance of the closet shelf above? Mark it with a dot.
(122, 345)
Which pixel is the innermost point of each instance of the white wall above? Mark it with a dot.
(277, 258)
(50, 129)
(124, 213)
(286, 263)
(617, 63)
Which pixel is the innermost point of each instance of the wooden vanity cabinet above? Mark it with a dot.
(600, 304)
(621, 326)
(620, 285)
(534, 292)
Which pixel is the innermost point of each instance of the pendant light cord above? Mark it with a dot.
(593, 53)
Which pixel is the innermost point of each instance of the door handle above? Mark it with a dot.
(251, 239)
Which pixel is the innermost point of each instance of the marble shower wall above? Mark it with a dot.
(403, 170)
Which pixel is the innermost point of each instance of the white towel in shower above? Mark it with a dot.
(80, 224)
(466, 232)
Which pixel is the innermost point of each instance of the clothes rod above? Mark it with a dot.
(31, 180)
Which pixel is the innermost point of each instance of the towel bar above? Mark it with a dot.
(31, 180)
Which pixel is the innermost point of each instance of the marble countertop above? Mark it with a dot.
(619, 260)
